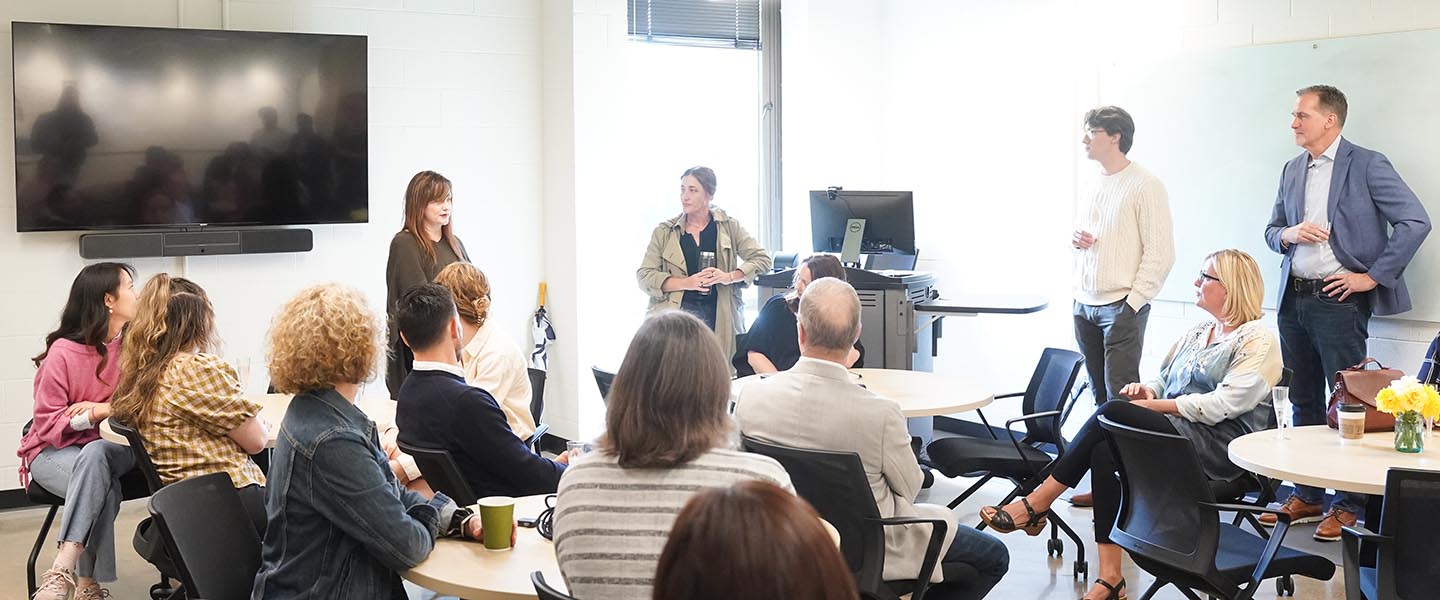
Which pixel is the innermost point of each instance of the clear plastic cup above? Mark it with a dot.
(1280, 401)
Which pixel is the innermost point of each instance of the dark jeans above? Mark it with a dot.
(982, 551)
(1320, 335)
(1111, 337)
(1089, 452)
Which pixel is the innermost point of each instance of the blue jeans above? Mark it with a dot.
(982, 551)
(1111, 337)
(88, 477)
(1320, 335)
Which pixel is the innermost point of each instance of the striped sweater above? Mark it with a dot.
(611, 522)
(1129, 215)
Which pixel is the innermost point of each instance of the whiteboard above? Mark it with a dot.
(1214, 126)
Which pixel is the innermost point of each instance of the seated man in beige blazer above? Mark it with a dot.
(815, 405)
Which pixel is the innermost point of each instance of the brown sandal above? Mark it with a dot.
(1001, 521)
(1117, 591)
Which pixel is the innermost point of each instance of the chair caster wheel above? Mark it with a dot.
(160, 591)
(1054, 547)
(1082, 570)
(1285, 586)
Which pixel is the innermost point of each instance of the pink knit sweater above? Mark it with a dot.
(67, 376)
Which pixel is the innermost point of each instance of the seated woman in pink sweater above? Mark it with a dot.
(62, 452)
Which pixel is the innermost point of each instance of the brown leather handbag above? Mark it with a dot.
(1358, 385)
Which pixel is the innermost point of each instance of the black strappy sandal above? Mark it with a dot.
(1117, 591)
(1001, 521)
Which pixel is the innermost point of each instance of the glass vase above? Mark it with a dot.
(1409, 432)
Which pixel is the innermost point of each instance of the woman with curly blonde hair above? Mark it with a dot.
(186, 403)
(491, 360)
(341, 526)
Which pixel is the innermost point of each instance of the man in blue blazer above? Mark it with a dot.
(1341, 266)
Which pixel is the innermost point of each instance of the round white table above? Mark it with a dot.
(919, 393)
(1314, 455)
(464, 568)
(272, 411)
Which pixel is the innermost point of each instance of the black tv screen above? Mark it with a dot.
(124, 127)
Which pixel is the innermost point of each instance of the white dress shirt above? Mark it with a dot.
(1317, 260)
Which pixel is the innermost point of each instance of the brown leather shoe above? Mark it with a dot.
(1299, 510)
(1083, 500)
(1329, 529)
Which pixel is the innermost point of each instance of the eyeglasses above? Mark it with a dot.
(1204, 275)
(1095, 132)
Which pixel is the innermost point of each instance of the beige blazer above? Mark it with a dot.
(815, 405)
(734, 249)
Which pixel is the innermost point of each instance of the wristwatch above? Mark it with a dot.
(457, 523)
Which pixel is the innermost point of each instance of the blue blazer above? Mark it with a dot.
(1365, 194)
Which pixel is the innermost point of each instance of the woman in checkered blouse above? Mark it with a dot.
(188, 404)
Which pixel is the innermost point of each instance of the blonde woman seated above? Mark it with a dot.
(1213, 387)
(186, 403)
(491, 360)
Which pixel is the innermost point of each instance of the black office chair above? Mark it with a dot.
(132, 486)
(142, 456)
(209, 535)
(784, 260)
(1403, 552)
(543, 590)
(1023, 460)
(1170, 524)
(441, 472)
(836, 485)
(537, 408)
(603, 379)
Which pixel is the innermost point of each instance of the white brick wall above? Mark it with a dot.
(956, 135)
(454, 86)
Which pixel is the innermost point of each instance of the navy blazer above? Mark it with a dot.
(1366, 194)
(439, 410)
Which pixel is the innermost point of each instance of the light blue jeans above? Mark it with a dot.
(88, 477)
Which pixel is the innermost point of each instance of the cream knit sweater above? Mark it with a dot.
(1129, 215)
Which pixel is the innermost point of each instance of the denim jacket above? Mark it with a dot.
(340, 525)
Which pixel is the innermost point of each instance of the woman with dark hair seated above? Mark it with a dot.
(1213, 387)
(751, 540)
(773, 344)
(668, 433)
(75, 377)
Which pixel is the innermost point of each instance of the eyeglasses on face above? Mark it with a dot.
(1204, 275)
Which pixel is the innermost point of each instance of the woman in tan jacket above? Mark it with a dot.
(672, 274)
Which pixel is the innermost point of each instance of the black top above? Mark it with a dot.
(696, 303)
(773, 334)
(439, 410)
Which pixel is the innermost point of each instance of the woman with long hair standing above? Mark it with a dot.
(417, 253)
(186, 403)
(74, 380)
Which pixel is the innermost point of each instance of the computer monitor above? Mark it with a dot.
(889, 220)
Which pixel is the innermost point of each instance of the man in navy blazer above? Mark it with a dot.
(1341, 265)
(435, 408)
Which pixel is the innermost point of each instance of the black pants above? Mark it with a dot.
(1090, 452)
(252, 497)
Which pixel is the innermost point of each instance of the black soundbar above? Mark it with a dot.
(195, 243)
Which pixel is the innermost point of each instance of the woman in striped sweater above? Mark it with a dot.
(668, 435)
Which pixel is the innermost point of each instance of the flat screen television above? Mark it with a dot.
(136, 127)
(889, 220)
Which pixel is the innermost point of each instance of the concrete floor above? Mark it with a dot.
(1032, 575)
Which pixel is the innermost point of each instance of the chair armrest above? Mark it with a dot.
(932, 549)
(1283, 516)
(1010, 395)
(1351, 561)
(1365, 535)
(1016, 442)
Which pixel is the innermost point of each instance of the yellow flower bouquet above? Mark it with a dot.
(1410, 401)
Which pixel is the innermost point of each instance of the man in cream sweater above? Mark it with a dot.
(1123, 251)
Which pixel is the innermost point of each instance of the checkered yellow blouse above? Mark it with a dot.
(199, 401)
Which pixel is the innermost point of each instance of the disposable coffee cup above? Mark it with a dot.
(497, 517)
(1352, 422)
